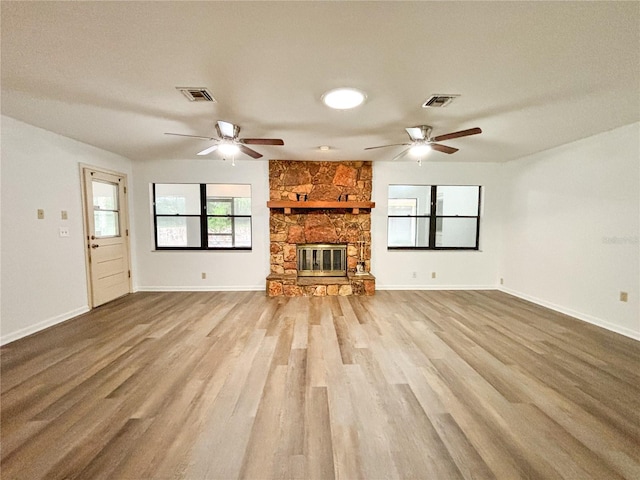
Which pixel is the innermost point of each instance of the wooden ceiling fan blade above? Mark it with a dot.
(207, 151)
(443, 148)
(461, 133)
(250, 152)
(415, 133)
(191, 136)
(262, 141)
(390, 145)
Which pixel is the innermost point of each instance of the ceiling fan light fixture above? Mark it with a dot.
(226, 129)
(227, 148)
(343, 98)
(420, 149)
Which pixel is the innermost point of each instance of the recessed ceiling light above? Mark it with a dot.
(324, 148)
(343, 98)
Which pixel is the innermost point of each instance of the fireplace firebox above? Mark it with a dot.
(322, 260)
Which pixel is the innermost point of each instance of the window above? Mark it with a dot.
(434, 217)
(106, 210)
(192, 216)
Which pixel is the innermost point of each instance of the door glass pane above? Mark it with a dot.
(105, 195)
(105, 224)
(456, 232)
(178, 231)
(106, 217)
(458, 200)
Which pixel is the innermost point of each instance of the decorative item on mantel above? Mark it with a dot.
(360, 266)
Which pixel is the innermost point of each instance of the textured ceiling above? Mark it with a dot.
(532, 75)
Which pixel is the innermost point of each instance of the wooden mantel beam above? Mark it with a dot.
(287, 205)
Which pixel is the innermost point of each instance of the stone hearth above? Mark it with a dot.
(303, 222)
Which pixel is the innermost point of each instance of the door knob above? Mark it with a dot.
(94, 245)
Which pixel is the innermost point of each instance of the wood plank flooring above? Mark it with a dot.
(434, 385)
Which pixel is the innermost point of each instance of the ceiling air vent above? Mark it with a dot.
(197, 94)
(439, 101)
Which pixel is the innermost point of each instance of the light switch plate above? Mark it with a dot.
(40, 214)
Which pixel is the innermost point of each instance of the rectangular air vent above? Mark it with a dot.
(439, 100)
(197, 94)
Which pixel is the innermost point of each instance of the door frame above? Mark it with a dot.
(124, 215)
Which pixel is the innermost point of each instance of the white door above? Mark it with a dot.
(107, 235)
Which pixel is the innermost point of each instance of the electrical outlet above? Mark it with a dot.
(414, 274)
(40, 214)
(204, 275)
(624, 297)
(433, 274)
(64, 231)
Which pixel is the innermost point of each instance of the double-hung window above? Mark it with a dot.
(194, 216)
(434, 217)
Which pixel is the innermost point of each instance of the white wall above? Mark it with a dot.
(182, 270)
(43, 278)
(571, 228)
(561, 227)
(229, 270)
(394, 269)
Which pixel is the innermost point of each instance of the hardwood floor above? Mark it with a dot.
(424, 384)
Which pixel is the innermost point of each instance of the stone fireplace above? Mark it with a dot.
(320, 228)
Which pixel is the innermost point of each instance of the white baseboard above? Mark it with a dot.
(23, 332)
(209, 288)
(435, 287)
(627, 332)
